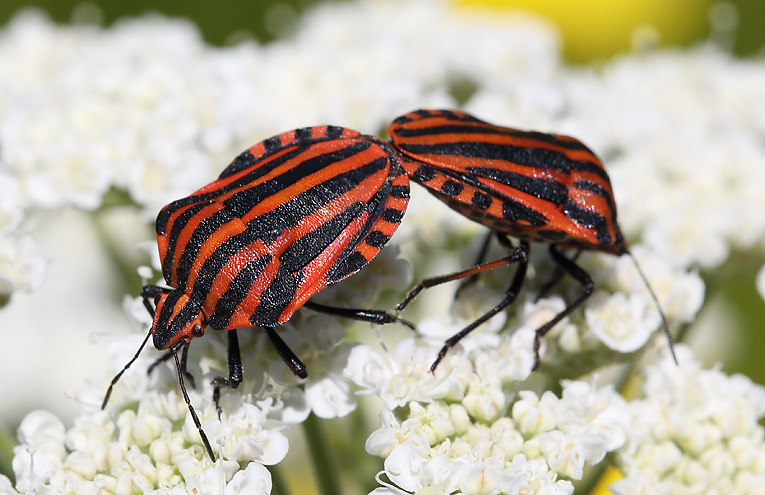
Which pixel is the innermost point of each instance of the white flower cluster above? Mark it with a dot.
(696, 431)
(22, 265)
(153, 449)
(450, 447)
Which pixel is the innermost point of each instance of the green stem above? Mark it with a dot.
(7, 442)
(279, 485)
(323, 463)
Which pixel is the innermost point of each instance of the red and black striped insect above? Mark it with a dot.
(288, 217)
(534, 186)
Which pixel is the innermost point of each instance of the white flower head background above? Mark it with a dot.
(101, 127)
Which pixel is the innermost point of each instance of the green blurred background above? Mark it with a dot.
(592, 30)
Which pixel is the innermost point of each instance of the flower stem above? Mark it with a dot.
(327, 477)
(278, 483)
(6, 453)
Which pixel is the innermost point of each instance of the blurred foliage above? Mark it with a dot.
(591, 30)
(221, 23)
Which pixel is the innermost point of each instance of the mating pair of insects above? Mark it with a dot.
(310, 207)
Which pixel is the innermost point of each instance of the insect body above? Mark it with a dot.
(288, 217)
(534, 186)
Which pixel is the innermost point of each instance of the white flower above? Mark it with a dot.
(565, 454)
(623, 324)
(404, 374)
(41, 450)
(606, 412)
(411, 469)
(254, 479)
(330, 395)
(11, 206)
(5, 486)
(534, 415)
(432, 423)
(761, 282)
(485, 478)
(514, 358)
(680, 293)
(22, 265)
(382, 440)
(538, 478)
(484, 399)
(243, 436)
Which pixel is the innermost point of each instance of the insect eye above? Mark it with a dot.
(196, 330)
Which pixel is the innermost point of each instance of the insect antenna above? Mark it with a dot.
(119, 375)
(664, 324)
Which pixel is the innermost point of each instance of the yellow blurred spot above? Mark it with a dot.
(610, 476)
(593, 30)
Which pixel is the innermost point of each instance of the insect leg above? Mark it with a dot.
(165, 357)
(367, 315)
(510, 295)
(149, 292)
(235, 374)
(471, 280)
(576, 272)
(188, 402)
(557, 277)
(518, 255)
(293, 362)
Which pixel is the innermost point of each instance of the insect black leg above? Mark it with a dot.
(284, 351)
(518, 255)
(367, 315)
(235, 373)
(118, 375)
(149, 292)
(194, 416)
(165, 357)
(471, 280)
(510, 295)
(576, 272)
(557, 277)
(169, 355)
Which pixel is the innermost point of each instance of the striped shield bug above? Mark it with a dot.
(533, 186)
(288, 217)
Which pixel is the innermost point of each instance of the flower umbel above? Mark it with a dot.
(695, 431)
